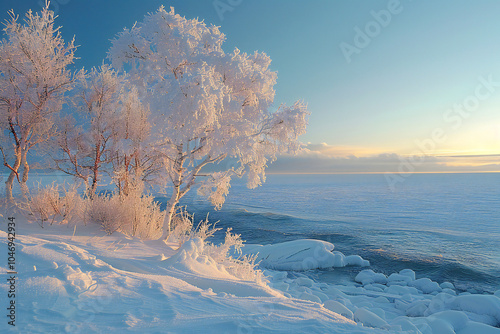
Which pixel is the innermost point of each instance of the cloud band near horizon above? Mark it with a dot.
(323, 158)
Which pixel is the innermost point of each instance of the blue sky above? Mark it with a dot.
(402, 92)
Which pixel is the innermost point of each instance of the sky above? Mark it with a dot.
(392, 86)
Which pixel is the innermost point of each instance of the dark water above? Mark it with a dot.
(443, 226)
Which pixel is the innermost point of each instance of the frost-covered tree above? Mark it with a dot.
(34, 77)
(112, 136)
(133, 159)
(206, 105)
(86, 149)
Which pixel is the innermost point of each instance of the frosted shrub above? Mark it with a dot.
(182, 228)
(205, 230)
(39, 207)
(71, 204)
(47, 205)
(244, 267)
(232, 245)
(229, 255)
(142, 216)
(106, 211)
(134, 214)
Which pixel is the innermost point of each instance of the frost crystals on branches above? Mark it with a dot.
(34, 78)
(206, 105)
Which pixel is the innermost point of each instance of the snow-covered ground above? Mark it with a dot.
(79, 280)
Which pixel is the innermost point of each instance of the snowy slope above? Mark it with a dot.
(91, 282)
(83, 281)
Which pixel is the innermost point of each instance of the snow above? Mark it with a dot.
(369, 319)
(300, 255)
(92, 282)
(368, 276)
(426, 285)
(339, 308)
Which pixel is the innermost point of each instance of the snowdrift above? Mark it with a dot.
(94, 283)
(301, 255)
(84, 281)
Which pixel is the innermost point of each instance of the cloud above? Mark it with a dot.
(326, 159)
(337, 151)
(323, 158)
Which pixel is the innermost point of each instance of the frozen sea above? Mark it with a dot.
(443, 226)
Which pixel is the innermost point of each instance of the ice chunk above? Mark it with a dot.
(398, 278)
(479, 304)
(406, 325)
(478, 328)
(447, 285)
(425, 285)
(417, 309)
(373, 287)
(369, 319)
(447, 322)
(378, 311)
(337, 307)
(409, 273)
(275, 276)
(280, 286)
(449, 291)
(334, 292)
(320, 295)
(301, 255)
(311, 297)
(440, 302)
(368, 276)
(382, 300)
(401, 283)
(304, 281)
(356, 260)
(401, 290)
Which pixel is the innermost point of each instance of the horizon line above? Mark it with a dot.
(335, 173)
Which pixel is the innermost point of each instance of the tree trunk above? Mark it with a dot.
(95, 179)
(26, 169)
(176, 195)
(125, 179)
(95, 172)
(10, 180)
(171, 208)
